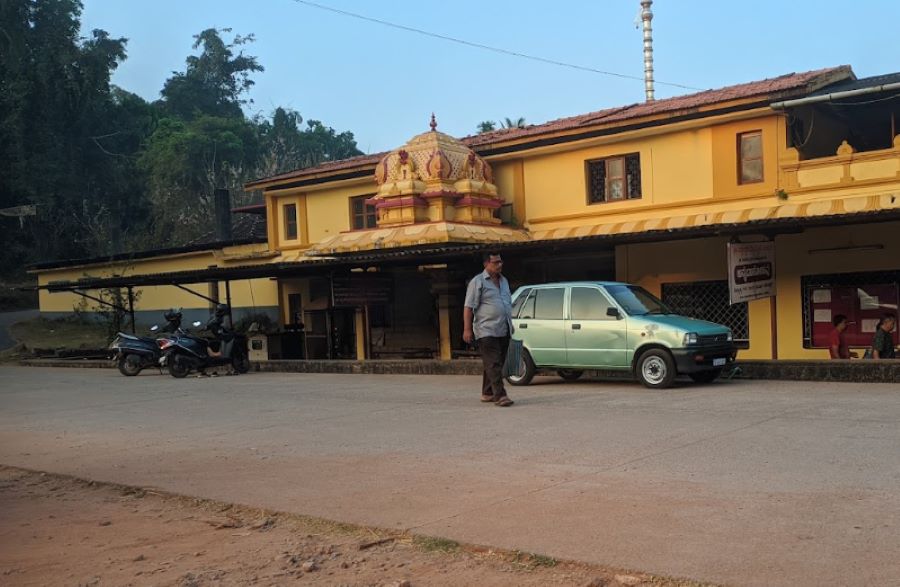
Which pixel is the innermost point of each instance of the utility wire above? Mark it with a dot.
(485, 47)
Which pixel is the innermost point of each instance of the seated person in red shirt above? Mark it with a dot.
(836, 345)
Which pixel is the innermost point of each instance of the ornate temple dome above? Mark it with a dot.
(433, 163)
(432, 190)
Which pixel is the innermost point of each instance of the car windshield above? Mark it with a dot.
(637, 301)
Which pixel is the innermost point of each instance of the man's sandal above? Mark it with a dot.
(504, 402)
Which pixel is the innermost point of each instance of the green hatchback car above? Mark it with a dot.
(574, 326)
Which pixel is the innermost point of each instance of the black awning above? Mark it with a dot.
(429, 254)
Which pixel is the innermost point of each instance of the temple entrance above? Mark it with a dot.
(331, 334)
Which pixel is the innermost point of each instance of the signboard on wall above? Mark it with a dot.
(751, 271)
(361, 290)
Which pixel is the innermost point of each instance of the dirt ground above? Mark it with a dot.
(57, 530)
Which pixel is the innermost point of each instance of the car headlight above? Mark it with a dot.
(691, 338)
(729, 337)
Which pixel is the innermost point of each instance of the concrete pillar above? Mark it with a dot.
(362, 334)
(444, 305)
(448, 288)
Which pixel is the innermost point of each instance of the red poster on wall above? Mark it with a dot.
(863, 305)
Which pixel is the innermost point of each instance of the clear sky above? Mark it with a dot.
(382, 83)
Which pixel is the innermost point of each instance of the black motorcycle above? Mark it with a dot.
(133, 353)
(187, 352)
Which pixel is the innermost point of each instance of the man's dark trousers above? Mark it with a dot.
(493, 355)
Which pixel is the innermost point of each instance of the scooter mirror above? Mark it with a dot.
(154, 328)
(196, 323)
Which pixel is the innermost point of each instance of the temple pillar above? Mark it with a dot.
(448, 289)
(446, 340)
(362, 334)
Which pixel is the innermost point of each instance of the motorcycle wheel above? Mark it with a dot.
(178, 367)
(129, 365)
(241, 363)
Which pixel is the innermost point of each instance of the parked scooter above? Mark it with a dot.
(186, 352)
(135, 353)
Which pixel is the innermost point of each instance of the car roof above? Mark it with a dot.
(569, 283)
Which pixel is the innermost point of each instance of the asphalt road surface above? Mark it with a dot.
(747, 483)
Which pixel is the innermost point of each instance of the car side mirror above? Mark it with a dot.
(613, 312)
(154, 328)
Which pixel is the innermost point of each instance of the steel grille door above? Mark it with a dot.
(708, 300)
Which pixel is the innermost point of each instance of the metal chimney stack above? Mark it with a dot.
(646, 17)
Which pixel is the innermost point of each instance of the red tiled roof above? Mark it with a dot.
(769, 89)
(351, 163)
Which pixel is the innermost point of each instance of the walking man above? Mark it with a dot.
(837, 346)
(487, 319)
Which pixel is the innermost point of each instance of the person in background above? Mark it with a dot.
(837, 346)
(883, 343)
(487, 319)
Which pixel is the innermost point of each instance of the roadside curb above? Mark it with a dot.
(886, 371)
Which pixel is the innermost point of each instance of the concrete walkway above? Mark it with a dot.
(748, 483)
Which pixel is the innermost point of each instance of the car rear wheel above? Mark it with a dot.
(705, 376)
(656, 369)
(525, 371)
(570, 374)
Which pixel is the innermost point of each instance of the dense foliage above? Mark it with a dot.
(110, 172)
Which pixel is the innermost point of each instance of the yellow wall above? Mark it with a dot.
(725, 157)
(244, 293)
(292, 286)
(555, 184)
(326, 212)
(278, 231)
(794, 260)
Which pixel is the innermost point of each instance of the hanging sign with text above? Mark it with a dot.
(361, 290)
(751, 271)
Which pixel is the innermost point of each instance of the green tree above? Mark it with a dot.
(285, 146)
(486, 126)
(510, 123)
(203, 140)
(62, 128)
(185, 162)
(214, 82)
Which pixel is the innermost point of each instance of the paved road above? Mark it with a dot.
(7, 319)
(749, 483)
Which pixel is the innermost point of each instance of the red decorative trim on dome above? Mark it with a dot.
(441, 194)
(400, 202)
(487, 203)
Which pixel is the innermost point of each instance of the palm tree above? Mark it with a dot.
(487, 126)
(517, 123)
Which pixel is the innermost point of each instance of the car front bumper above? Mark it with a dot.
(704, 358)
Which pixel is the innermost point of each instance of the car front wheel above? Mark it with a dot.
(656, 369)
(525, 371)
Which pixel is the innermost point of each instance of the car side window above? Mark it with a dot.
(548, 304)
(520, 301)
(588, 303)
(527, 310)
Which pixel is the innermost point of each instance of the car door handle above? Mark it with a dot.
(576, 327)
(523, 326)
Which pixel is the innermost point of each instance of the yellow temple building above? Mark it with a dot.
(371, 254)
